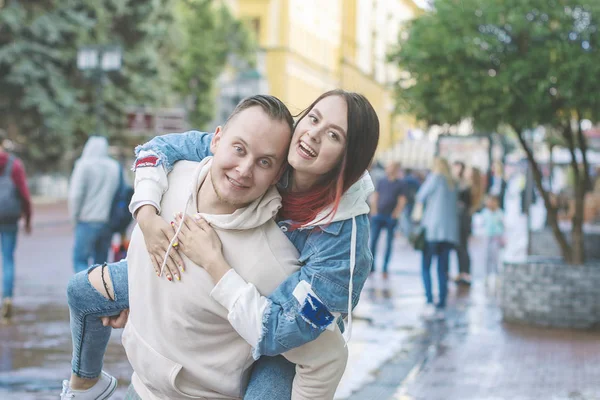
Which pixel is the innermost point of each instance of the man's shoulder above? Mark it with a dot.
(280, 247)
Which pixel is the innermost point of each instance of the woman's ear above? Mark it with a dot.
(214, 143)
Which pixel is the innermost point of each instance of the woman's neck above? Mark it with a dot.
(302, 182)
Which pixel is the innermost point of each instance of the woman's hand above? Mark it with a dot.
(118, 321)
(157, 235)
(201, 244)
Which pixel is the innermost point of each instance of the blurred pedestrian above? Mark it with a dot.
(386, 205)
(16, 204)
(497, 183)
(94, 183)
(469, 201)
(493, 225)
(437, 198)
(410, 184)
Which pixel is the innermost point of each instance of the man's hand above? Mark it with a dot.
(157, 235)
(118, 321)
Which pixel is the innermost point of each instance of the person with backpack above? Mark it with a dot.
(16, 204)
(95, 192)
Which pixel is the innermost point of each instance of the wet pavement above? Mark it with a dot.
(35, 349)
(394, 354)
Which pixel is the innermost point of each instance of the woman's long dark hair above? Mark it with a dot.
(361, 142)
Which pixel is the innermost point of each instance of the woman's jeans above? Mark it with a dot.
(442, 251)
(271, 377)
(86, 306)
(92, 240)
(8, 235)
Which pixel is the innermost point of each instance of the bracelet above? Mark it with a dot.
(104, 283)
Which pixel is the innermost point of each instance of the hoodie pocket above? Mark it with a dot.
(157, 372)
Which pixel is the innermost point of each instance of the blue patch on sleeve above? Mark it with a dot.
(315, 313)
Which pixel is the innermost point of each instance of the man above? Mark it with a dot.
(178, 338)
(93, 185)
(386, 206)
(16, 203)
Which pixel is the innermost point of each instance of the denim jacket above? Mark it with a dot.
(308, 301)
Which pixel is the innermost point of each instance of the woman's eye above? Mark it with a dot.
(238, 149)
(312, 119)
(334, 136)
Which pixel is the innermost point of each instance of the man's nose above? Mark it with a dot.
(245, 168)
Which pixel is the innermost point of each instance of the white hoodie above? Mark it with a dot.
(179, 340)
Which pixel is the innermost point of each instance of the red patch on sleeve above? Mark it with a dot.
(149, 161)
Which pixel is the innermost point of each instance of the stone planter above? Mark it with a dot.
(547, 292)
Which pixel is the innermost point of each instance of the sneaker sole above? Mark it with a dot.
(109, 390)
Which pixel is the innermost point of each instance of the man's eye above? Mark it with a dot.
(265, 163)
(238, 149)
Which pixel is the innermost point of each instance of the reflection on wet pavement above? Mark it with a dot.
(35, 348)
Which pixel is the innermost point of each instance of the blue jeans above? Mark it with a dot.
(442, 251)
(86, 306)
(92, 240)
(379, 222)
(271, 377)
(8, 235)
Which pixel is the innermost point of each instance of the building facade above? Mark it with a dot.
(310, 46)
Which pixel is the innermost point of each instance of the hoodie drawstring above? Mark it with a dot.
(348, 331)
(162, 267)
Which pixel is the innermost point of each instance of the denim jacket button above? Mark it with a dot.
(283, 228)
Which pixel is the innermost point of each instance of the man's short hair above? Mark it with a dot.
(271, 105)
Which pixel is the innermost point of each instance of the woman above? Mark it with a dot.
(438, 198)
(324, 214)
(469, 201)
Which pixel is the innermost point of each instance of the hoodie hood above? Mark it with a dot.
(95, 147)
(353, 203)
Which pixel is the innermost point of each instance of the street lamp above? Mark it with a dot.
(99, 60)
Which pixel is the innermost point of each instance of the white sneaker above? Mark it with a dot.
(428, 312)
(103, 389)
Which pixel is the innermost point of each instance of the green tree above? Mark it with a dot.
(521, 63)
(46, 104)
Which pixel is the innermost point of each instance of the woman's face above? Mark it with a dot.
(319, 140)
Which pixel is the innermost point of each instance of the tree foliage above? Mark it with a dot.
(210, 37)
(521, 63)
(171, 49)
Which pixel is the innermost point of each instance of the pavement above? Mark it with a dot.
(394, 354)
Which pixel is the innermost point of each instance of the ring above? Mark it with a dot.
(175, 244)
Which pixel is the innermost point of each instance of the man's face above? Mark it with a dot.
(392, 171)
(248, 156)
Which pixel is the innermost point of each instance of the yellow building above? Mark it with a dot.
(311, 46)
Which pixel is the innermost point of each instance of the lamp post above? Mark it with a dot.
(99, 60)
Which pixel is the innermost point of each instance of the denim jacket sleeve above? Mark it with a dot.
(173, 147)
(326, 267)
